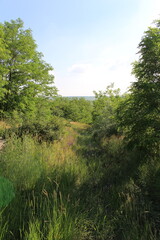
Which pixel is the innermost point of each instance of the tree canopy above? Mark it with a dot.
(104, 112)
(24, 74)
(140, 114)
(73, 109)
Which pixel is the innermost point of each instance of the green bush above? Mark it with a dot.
(44, 131)
(47, 131)
(73, 109)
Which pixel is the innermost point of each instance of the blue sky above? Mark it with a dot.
(90, 43)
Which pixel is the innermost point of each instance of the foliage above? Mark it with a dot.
(104, 112)
(139, 114)
(106, 101)
(47, 131)
(24, 74)
(76, 187)
(73, 109)
(4, 54)
(38, 123)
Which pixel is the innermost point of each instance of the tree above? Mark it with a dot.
(24, 75)
(106, 101)
(140, 114)
(4, 54)
(104, 112)
(73, 109)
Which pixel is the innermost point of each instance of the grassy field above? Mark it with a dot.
(46, 179)
(72, 189)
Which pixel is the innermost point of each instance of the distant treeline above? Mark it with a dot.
(89, 98)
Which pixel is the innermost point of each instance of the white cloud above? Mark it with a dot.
(79, 68)
(83, 79)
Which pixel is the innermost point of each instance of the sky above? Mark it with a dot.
(89, 43)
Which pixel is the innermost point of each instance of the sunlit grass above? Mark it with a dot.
(3, 127)
(46, 176)
(69, 190)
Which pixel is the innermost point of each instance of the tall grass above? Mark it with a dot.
(3, 227)
(59, 222)
(46, 178)
(76, 189)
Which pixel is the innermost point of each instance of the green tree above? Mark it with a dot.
(4, 54)
(106, 101)
(81, 110)
(24, 75)
(140, 114)
(104, 112)
(73, 109)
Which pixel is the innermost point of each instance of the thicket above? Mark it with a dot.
(105, 122)
(132, 165)
(73, 109)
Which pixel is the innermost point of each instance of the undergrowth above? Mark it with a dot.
(75, 188)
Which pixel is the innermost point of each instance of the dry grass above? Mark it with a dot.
(2, 142)
(4, 125)
(80, 126)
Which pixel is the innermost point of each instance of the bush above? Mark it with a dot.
(47, 131)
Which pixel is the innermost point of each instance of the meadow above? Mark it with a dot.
(74, 169)
(74, 188)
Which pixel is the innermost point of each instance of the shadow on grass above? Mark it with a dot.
(54, 194)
